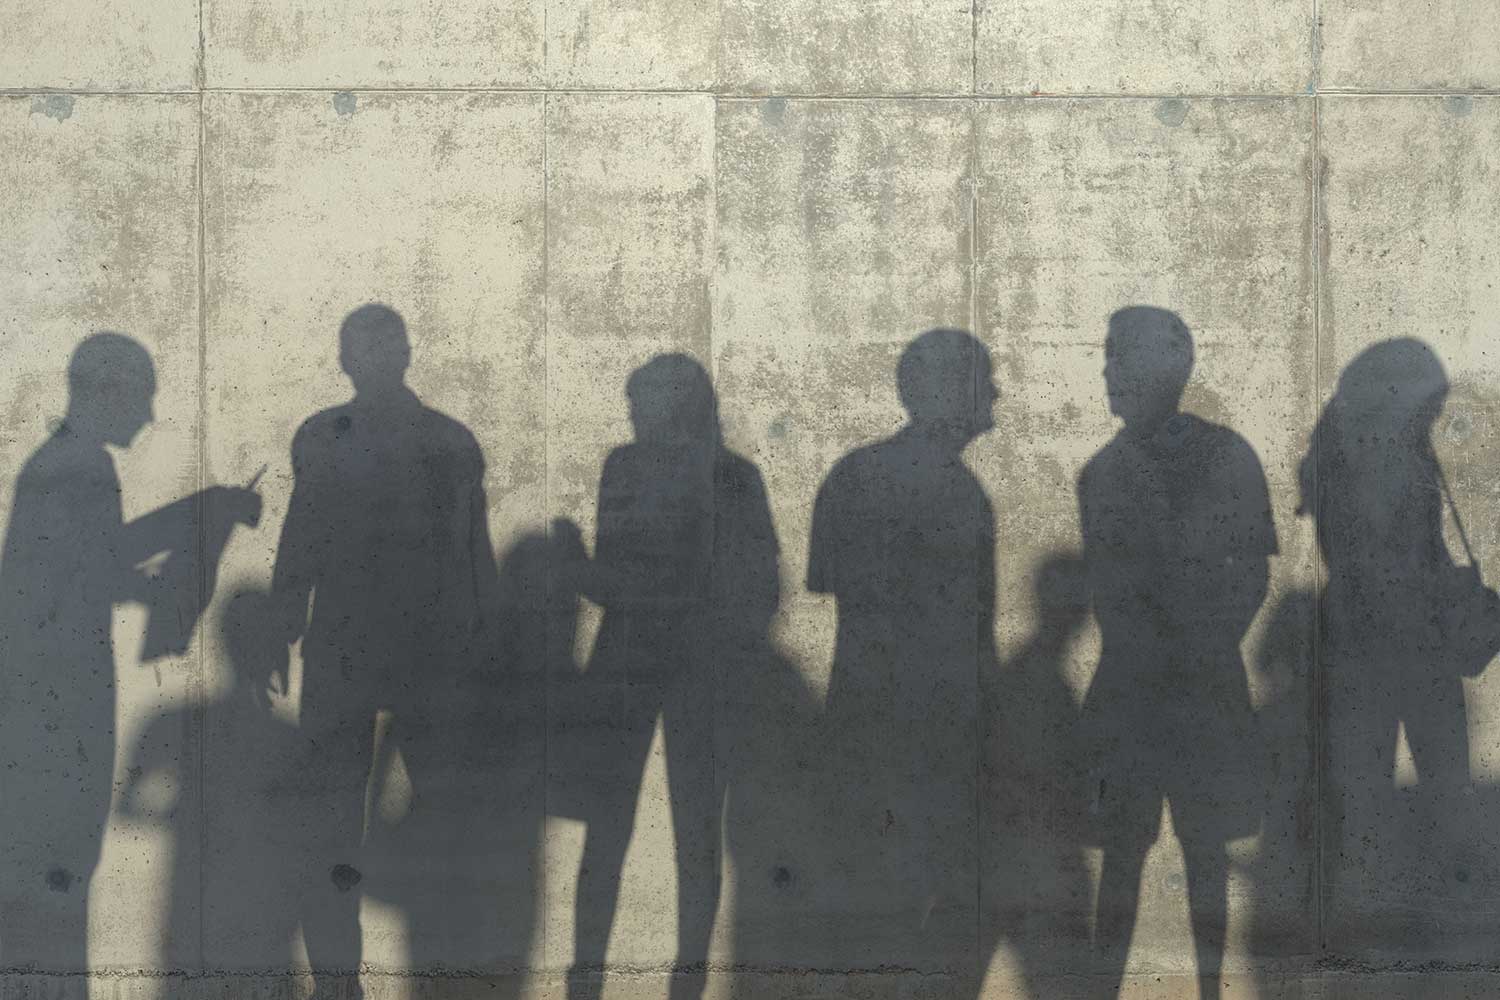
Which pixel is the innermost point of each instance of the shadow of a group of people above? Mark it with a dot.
(938, 803)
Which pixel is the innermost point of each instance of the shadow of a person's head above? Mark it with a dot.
(1396, 387)
(672, 402)
(1376, 428)
(946, 382)
(1148, 357)
(254, 653)
(374, 350)
(111, 386)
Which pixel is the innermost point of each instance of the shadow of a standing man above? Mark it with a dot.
(1177, 534)
(69, 558)
(387, 538)
(903, 537)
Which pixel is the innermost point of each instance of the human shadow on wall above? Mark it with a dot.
(1408, 856)
(241, 890)
(1281, 938)
(1035, 886)
(69, 558)
(385, 574)
(685, 569)
(1177, 533)
(903, 538)
(771, 749)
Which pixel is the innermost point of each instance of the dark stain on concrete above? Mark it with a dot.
(58, 106)
(1459, 105)
(344, 877)
(1172, 112)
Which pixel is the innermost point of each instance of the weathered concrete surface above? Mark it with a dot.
(1426, 985)
(873, 47)
(116, 45)
(358, 43)
(660, 44)
(1388, 45)
(1040, 46)
(789, 195)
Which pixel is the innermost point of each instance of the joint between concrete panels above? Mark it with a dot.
(1210, 95)
(1318, 571)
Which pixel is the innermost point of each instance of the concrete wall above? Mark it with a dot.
(554, 192)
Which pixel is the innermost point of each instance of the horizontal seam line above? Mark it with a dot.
(790, 95)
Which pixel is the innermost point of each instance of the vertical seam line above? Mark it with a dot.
(1319, 575)
(199, 697)
(980, 959)
(547, 594)
(718, 788)
(974, 46)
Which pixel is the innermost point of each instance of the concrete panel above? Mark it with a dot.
(1121, 47)
(370, 43)
(844, 234)
(867, 47)
(841, 221)
(1202, 208)
(629, 236)
(312, 211)
(1409, 374)
(664, 44)
(115, 45)
(100, 233)
(1388, 45)
(629, 263)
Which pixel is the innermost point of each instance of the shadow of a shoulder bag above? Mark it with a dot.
(1470, 611)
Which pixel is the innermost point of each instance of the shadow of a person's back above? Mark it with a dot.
(903, 538)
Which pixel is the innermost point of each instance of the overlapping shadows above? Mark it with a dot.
(1175, 518)
(232, 876)
(404, 763)
(385, 574)
(848, 825)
